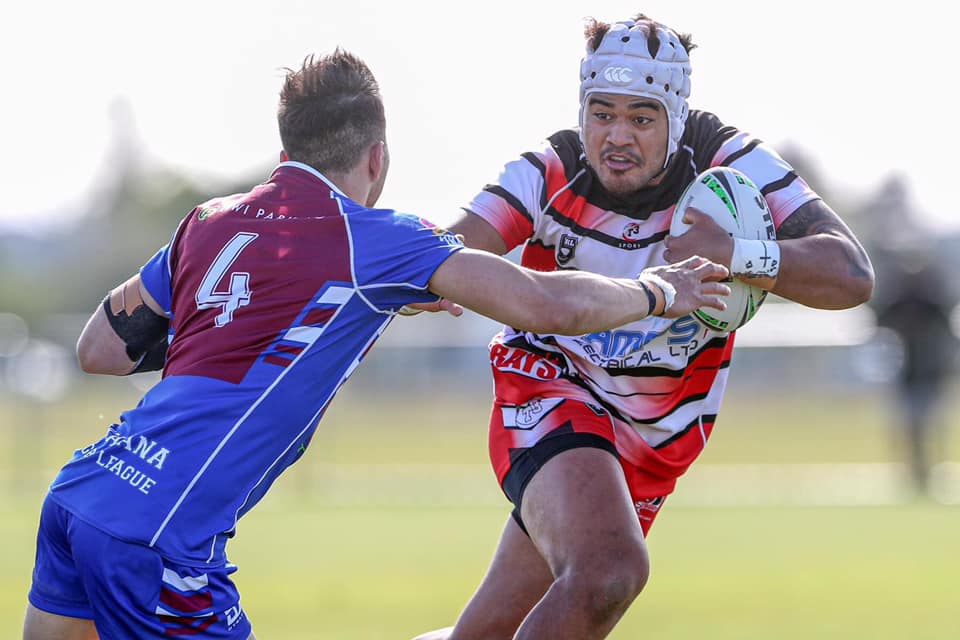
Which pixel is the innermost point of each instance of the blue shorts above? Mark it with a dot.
(129, 590)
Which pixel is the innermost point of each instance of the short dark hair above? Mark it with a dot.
(595, 30)
(330, 112)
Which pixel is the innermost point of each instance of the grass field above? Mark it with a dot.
(386, 527)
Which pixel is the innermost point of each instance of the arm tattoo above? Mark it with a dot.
(811, 219)
(814, 218)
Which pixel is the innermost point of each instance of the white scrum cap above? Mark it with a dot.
(622, 64)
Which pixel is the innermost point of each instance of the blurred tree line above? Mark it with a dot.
(131, 211)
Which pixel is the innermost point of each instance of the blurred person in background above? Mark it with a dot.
(272, 298)
(917, 307)
(589, 450)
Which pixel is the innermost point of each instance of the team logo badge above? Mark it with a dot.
(206, 212)
(528, 414)
(618, 75)
(568, 246)
(631, 232)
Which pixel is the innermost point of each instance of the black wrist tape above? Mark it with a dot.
(651, 298)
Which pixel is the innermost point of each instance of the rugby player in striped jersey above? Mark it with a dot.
(589, 433)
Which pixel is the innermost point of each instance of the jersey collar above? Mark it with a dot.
(311, 171)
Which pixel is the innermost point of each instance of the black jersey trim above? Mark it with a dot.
(599, 236)
(580, 381)
(686, 372)
(511, 199)
(707, 418)
(736, 155)
(653, 372)
(779, 184)
(641, 204)
(535, 160)
(652, 421)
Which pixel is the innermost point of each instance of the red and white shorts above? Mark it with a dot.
(535, 419)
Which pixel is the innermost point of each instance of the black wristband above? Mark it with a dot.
(651, 298)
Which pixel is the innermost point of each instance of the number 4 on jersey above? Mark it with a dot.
(239, 292)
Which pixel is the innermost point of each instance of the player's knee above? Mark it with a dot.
(628, 564)
(608, 585)
(625, 576)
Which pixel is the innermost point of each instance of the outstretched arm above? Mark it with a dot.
(572, 302)
(132, 338)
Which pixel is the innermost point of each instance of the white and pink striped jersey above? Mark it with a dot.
(660, 377)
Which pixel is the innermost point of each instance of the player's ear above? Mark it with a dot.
(283, 156)
(377, 161)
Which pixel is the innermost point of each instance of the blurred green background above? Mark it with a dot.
(797, 522)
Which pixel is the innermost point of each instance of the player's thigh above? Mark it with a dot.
(58, 603)
(516, 580)
(560, 456)
(579, 513)
(42, 625)
(136, 593)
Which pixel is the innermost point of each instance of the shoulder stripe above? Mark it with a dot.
(736, 155)
(779, 184)
(510, 199)
(533, 159)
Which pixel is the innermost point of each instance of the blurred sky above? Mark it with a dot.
(863, 90)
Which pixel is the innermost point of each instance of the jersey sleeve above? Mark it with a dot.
(395, 255)
(155, 275)
(784, 190)
(513, 204)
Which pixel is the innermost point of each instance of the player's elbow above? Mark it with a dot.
(88, 357)
(863, 292)
(93, 358)
(858, 287)
(857, 291)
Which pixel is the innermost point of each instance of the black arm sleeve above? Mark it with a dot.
(154, 359)
(143, 332)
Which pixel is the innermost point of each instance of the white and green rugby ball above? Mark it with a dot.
(735, 203)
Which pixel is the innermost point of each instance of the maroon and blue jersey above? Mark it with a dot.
(274, 298)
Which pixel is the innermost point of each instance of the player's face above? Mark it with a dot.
(625, 139)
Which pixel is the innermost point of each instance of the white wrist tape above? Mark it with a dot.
(755, 258)
(669, 293)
